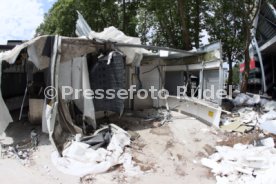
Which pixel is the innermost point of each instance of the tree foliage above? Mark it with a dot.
(250, 9)
(60, 19)
(174, 23)
(236, 75)
(224, 23)
(231, 22)
(99, 14)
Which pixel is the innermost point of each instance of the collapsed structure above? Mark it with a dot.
(106, 60)
(112, 60)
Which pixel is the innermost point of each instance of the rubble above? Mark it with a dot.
(269, 142)
(237, 138)
(80, 158)
(84, 150)
(250, 113)
(243, 164)
(160, 115)
(248, 154)
(268, 120)
(21, 151)
(87, 179)
(14, 152)
(269, 105)
(244, 99)
(104, 60)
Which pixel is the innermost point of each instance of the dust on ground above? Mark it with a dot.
(168, 153)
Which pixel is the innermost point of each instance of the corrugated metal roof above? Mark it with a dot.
(172, 53)
(266, 28)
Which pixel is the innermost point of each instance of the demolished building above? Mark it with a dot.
(102, 61)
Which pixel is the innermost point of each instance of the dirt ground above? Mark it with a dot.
(170, 153)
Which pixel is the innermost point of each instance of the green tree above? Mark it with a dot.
(99, 14)
(231, 22)
(236, 74)
(60, 19)
(174, 23)
(249, 9)
(223, 22)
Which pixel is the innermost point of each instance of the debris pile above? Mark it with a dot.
(160, 115)
(243, 99)
(250, 113)
(252, 157)
(241, 120)
(21, 151)
(244, 163)
(81, 158)
(23, 155)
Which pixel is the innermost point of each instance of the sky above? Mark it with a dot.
(20, 18)
(204, 39)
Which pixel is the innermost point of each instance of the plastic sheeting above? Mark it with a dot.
(112, 34)
(133, 55)
(79, 159)
(34, 48)
(243, 99)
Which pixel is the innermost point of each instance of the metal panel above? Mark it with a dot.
(211, 81)
(172, 80)
(197, 108)
(208, 65)
(104, 77)
(150, 76)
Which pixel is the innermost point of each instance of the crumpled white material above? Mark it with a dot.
(133, 55)
(243, 99)
(78, 159)
(269, 106)
(247, 115)
(239, 165)
(267, 121)
(269, 126)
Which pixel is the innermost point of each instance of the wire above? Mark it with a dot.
(150, 70)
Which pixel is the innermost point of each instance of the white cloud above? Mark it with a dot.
(19, 19)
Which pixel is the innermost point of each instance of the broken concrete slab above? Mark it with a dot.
(269, 126)
(231, 127)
